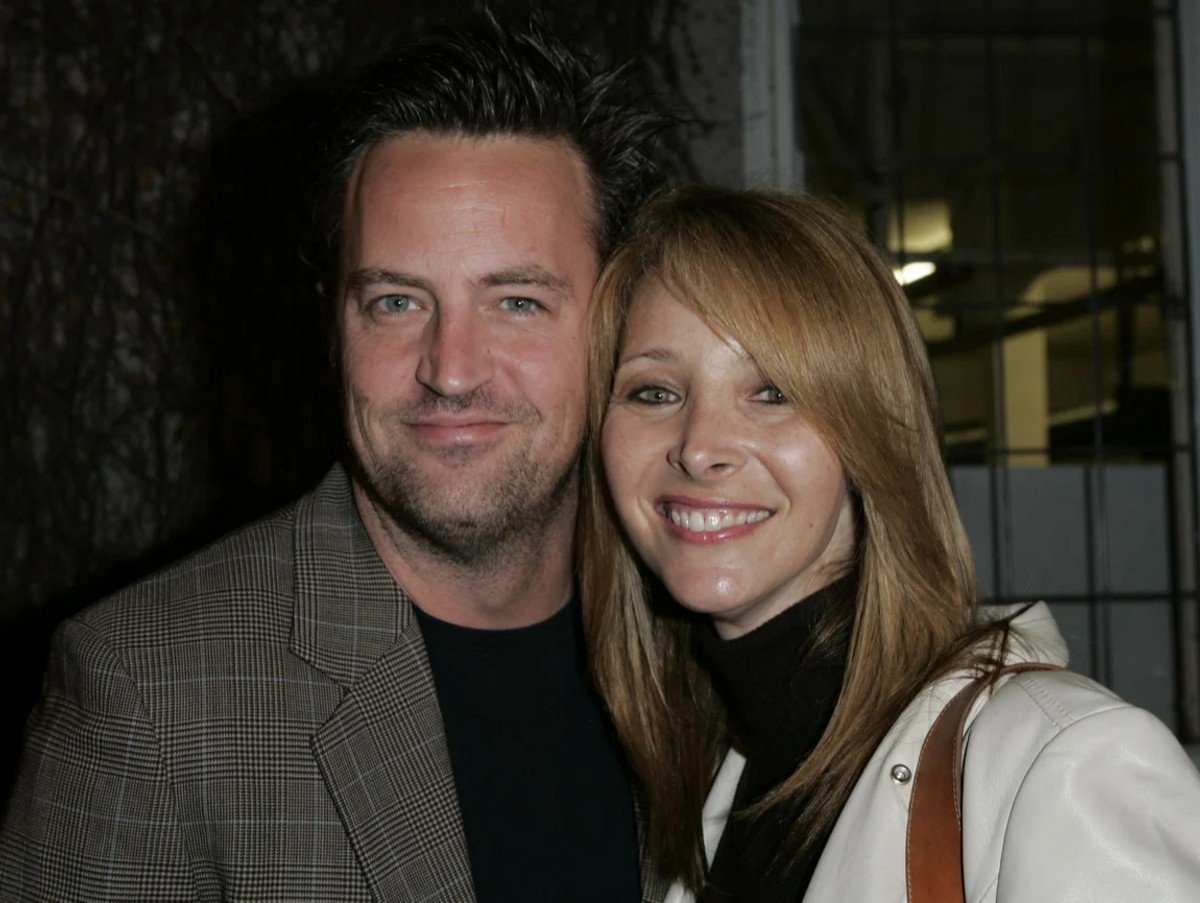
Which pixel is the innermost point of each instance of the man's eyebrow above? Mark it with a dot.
(361, 279)
(527, 275)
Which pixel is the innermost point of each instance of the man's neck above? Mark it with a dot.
(523, 585)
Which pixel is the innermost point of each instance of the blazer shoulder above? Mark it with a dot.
(248, 569)
(1067, 792)
(1080, 715)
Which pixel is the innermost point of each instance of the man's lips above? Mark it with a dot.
(456, 430)
(710, 520)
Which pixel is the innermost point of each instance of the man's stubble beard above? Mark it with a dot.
(483, 529)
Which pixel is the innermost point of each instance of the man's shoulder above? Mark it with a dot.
(246, 574)
(251, 567)
(243, 575)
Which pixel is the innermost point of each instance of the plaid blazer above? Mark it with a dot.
(257, 722)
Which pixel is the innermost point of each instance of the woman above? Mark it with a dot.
(764, 433)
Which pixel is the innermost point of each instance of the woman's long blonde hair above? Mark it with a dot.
(818, 310)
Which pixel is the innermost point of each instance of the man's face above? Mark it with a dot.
(467, 268)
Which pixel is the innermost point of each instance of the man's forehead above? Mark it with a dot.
(509, 169)
(417, 160)
(514, 208)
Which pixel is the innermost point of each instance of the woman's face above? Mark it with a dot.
(726, 491)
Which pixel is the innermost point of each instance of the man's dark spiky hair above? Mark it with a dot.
(491, 80)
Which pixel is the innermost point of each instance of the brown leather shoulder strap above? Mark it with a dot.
(934, 841)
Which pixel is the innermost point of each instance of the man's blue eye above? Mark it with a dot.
(520, 305)
(396, 304)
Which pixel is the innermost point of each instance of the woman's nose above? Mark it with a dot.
(708, 444)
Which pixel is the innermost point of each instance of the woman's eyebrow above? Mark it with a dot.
(654, 354)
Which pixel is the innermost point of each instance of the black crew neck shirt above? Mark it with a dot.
(544, 794)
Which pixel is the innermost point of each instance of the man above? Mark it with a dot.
(378, 693)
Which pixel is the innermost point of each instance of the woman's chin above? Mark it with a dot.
(718, 607)
(714, 596)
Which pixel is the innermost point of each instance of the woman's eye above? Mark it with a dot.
(396, 304)
(652, 395)
(770, 395)
(520, 305)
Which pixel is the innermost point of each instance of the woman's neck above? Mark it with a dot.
(780, 682)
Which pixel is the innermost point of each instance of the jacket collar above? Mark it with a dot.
(654, 883)
(382, 752)
(348, 610)
(875, 816)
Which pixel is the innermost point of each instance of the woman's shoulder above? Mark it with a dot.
(1072, 794)
(1033, 634)
(1069, 792)
(1032, 708)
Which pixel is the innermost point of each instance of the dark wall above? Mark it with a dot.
(163, 376)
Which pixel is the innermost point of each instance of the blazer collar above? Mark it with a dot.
(654, 883)
(382, 752)
(386, 765)
(348, 609)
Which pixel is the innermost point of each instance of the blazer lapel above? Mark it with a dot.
(382, 752)
(384, 759)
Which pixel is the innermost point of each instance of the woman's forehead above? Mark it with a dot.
(663, 326)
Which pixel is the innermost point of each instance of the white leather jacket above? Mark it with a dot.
(1070, 795)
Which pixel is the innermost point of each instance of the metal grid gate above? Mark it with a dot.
(1021, 162)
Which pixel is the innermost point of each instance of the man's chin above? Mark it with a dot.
(425, 471)
(469, 505)
(459, 511)
(472, 533)
(456, 458)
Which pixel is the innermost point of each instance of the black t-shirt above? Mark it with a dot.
(542, 785)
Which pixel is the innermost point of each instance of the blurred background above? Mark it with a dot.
(1024, 165)
(1029, 167)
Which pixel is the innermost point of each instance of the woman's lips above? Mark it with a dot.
(714, 520)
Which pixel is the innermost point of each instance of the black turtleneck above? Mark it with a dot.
(780, 693)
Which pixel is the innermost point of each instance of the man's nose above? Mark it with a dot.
(456, 357)
(709, 444)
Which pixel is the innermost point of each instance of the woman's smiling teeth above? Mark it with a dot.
(709, 520)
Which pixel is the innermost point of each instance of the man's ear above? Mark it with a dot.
(320, 287)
